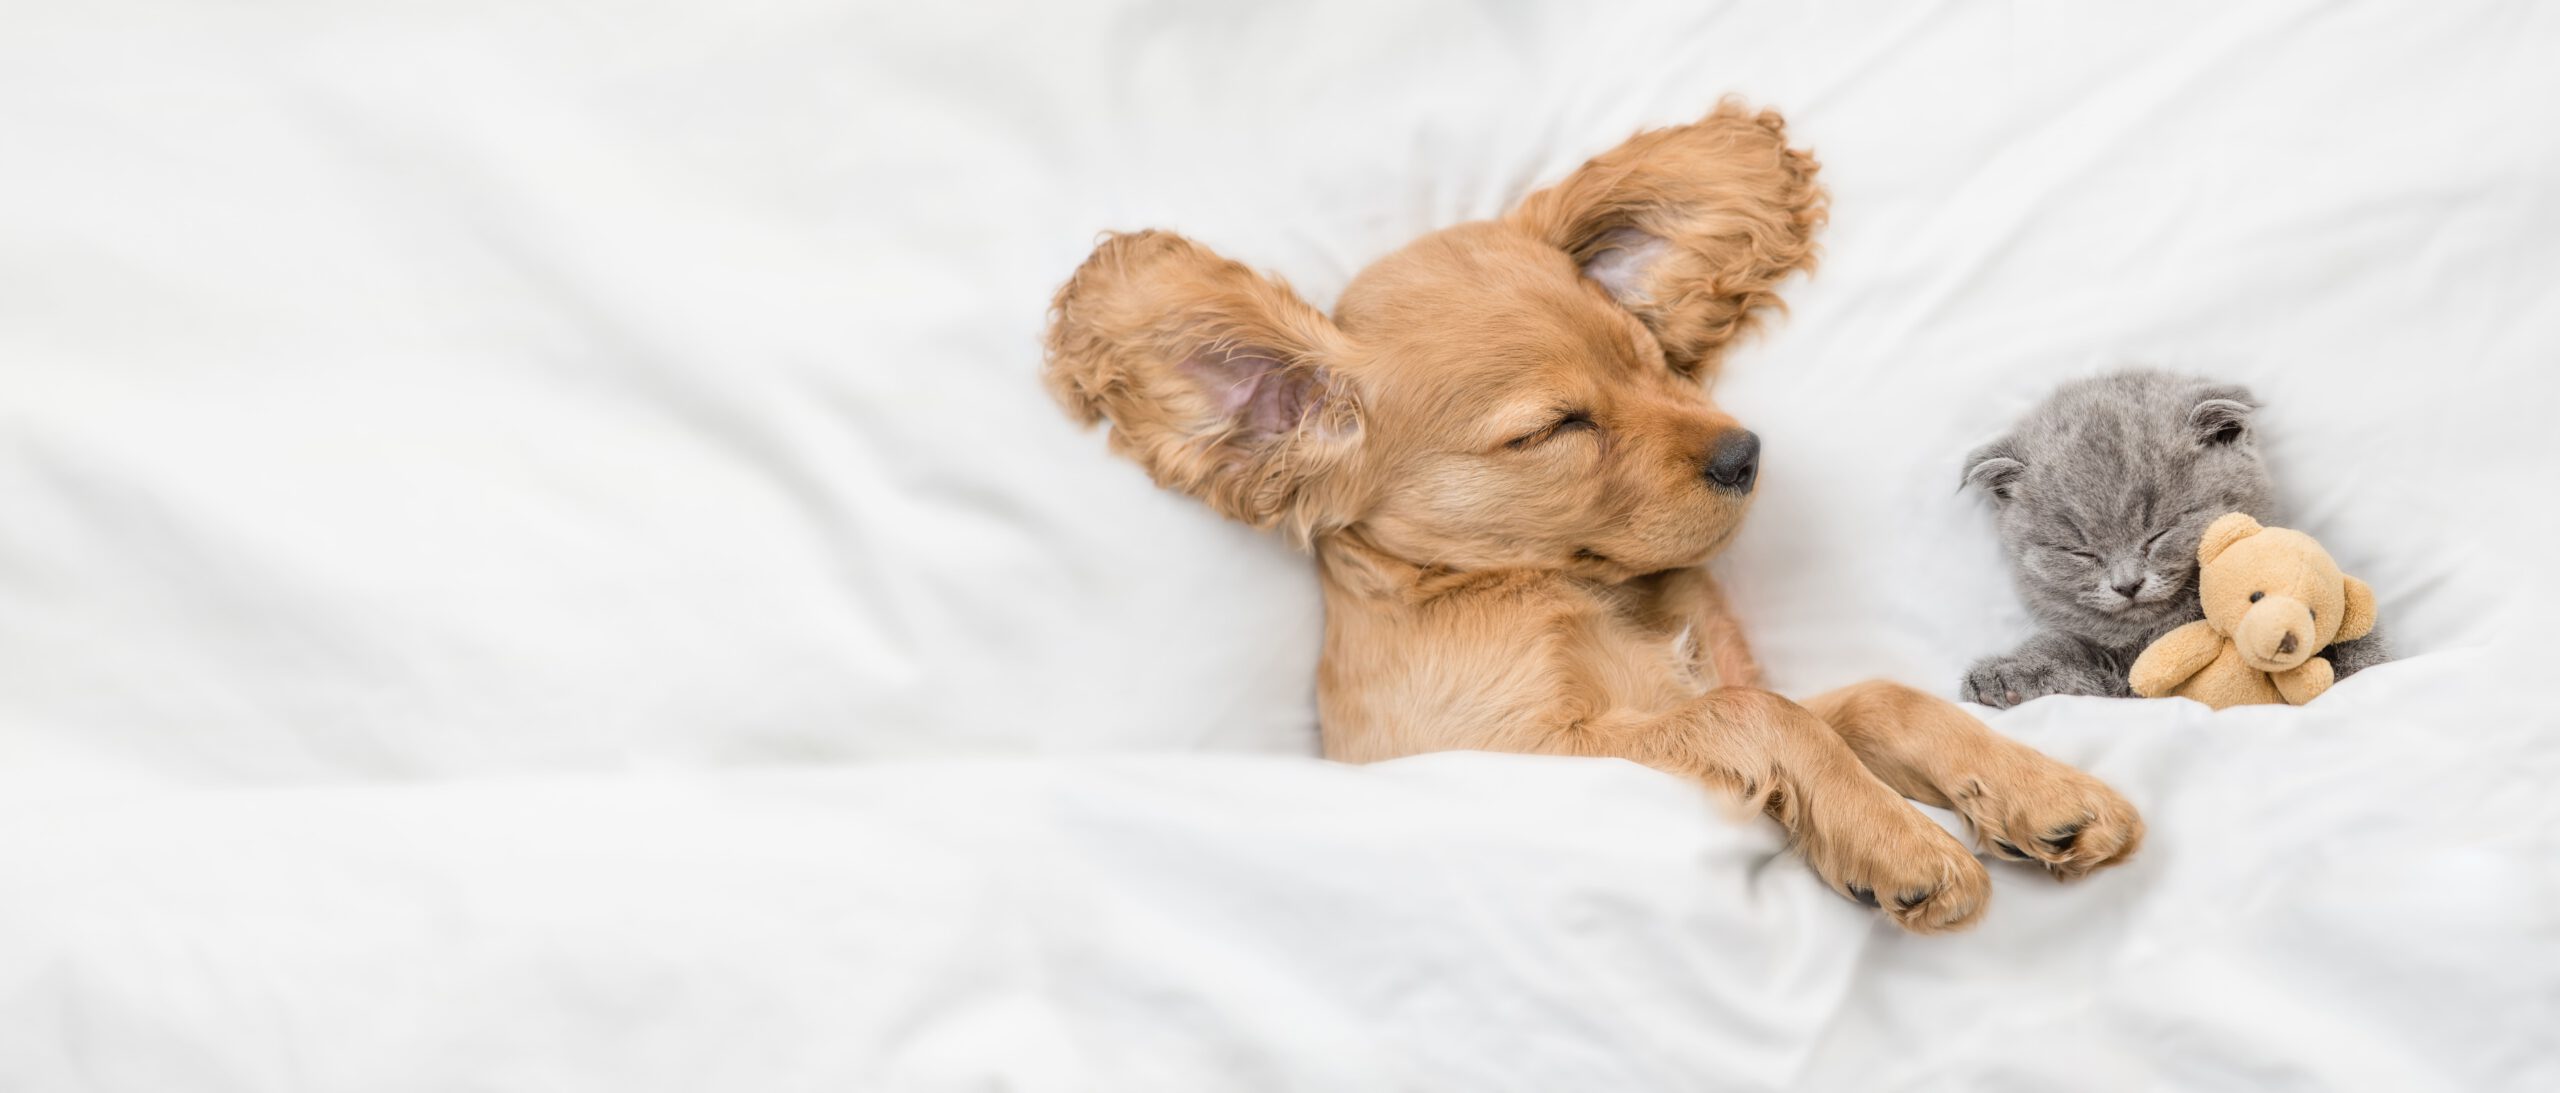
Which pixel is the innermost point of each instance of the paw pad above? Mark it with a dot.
(2064, 838)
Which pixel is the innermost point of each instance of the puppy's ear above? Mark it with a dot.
(1222, 383)
(1994, 469)
(1690, 227)
(2360, 614)
(2221, 415)
(2226, 529)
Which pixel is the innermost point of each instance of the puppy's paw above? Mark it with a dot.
(1905, 866)
(2032, 809)
(2014, 678)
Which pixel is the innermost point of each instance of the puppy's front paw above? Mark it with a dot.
(2008, 680)
(1905, 866)
(2030, 808)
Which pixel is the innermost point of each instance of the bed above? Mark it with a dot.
(533, 555)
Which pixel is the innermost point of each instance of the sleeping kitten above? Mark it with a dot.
(2103, 491)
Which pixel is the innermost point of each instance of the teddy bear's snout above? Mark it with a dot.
(2276, 635)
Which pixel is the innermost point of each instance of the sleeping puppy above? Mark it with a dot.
(1502, 452)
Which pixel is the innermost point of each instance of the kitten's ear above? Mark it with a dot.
(1994, 469)
(2226, 529)
(2359, 619)
(2221, 414)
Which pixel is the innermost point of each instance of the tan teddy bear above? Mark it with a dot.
(2272, 598)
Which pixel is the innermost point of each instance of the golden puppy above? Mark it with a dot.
(1502, 452)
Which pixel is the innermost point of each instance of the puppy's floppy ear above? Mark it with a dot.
(2360, 614)
(2221, 414)
(1690, 227)
(1221, 382)
(1994, 469)
(2226, 529)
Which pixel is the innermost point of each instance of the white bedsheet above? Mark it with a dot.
(532, 555)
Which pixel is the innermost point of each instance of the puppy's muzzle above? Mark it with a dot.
(1733, 464)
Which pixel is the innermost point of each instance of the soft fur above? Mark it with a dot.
(2271, 599)
(1502, 452)
(2103, 492)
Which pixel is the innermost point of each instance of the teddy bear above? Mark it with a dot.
(2272, 598)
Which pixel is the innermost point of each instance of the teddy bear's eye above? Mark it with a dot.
(2256, 596)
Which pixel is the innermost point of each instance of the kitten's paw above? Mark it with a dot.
(2004, 681)
(2030, 808)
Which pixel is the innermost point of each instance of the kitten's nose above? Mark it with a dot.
(1734, 463)
(2126, 586)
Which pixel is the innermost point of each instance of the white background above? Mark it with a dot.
(458, 456)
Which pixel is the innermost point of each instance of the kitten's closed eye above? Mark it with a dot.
(2153, 543)
(2073, 551)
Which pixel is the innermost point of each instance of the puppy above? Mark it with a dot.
(1502, 452)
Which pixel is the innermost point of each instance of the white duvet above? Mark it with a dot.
(533, 556)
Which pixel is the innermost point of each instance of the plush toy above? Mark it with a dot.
(2272, 598)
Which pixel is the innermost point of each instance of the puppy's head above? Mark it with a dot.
(1523, 392)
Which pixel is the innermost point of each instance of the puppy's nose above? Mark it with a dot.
(1734, 463)
(2126, 586)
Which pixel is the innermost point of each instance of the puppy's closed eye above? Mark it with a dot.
(1570, 421)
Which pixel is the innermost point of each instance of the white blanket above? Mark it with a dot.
(533, 556)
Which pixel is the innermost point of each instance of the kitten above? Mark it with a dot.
(2103, 491)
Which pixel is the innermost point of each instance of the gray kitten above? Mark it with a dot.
(2103, 491)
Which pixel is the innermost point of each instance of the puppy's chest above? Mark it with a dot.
(1641, 648)
(1521, 655)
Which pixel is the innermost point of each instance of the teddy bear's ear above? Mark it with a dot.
(2360, 612)
(2229, 528)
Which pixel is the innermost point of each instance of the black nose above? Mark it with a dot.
(2126, 588)
(1734, 463)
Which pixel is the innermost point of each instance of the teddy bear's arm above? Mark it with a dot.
(2178, 654)
(2305, 682)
